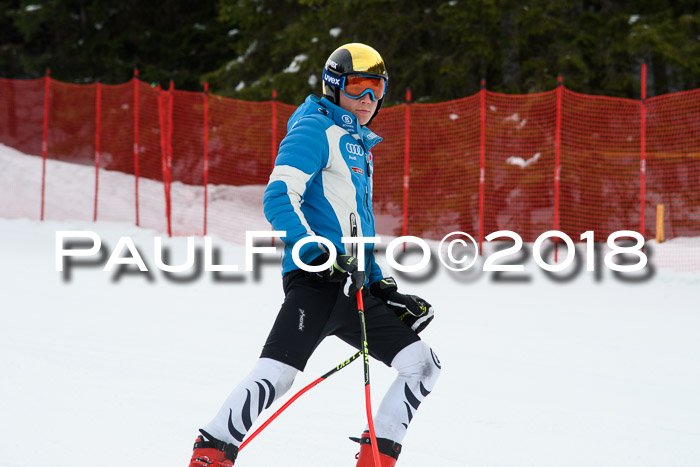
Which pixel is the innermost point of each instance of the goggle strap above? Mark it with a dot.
(333, 80)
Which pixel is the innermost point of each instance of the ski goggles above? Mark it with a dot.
(357, 85)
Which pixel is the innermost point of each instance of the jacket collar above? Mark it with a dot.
(349, 123)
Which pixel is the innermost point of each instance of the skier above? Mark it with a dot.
(321, 185)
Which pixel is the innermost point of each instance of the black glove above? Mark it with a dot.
(345, 269)
(411, 309)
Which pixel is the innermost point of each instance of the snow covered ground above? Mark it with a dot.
(109, 369)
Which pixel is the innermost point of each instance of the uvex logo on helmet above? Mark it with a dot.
(331, 79)
(355, 149)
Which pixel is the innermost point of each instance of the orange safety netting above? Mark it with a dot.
(557, 160)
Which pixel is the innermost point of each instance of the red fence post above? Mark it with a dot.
(169, 157)
(406, 158)
(557, 165)
(136, 142)
(45, 137)
(274, 139)
(274, 128)
(161, 132)
(206, 151)
(164, 133)
(482, 162)
(643, 155)
(98, 127)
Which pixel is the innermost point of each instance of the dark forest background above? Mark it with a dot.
(440, 49)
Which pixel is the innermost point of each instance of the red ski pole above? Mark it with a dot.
(368, 399)
(297, 396)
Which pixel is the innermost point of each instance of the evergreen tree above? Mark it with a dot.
(88, 40)
(439, 49)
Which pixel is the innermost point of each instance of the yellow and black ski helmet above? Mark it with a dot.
(352, 59)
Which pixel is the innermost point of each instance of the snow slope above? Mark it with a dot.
(98, 368)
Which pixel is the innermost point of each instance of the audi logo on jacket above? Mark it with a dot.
(322, 177)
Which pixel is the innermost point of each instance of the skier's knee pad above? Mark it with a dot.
(418, 362)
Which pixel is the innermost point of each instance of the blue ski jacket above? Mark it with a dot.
(321, 183)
